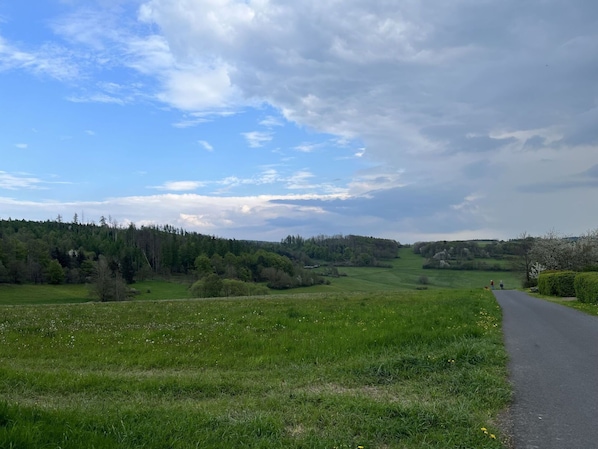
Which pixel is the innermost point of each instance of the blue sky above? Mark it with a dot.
(258, 119)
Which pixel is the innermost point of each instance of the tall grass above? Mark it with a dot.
(377, 370)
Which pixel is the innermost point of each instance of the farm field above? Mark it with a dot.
(410, 369)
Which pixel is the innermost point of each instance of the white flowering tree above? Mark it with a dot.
(556, 252)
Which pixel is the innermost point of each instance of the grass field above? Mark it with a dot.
(342, 370)
(405, 274)
(76, 293)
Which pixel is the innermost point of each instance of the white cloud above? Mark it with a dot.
(206, 145)
(271, 121)
(300, 180)
(97, 98)
(307, 147)
(196, 88)
(257, 139)
(17, 182)
(180, 186)
(21, 146)
(48, 60)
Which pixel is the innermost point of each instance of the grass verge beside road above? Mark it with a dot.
(343, 370)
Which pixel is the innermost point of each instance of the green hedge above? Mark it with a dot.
(586, 287)
(557, 283)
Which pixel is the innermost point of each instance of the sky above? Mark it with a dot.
(414, 120)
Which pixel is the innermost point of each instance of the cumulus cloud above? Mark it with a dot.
(467, 115)
(414, 81)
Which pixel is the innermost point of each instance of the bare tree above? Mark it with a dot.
(523, 262)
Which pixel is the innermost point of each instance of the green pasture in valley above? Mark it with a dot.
(409, 369)
(43, 294)
(407, 273)
(78, 293)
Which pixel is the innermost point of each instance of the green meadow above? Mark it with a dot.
(409, 369)
(11, 294)
(406, 274)
(380, 358)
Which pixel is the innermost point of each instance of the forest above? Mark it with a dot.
(56, 252)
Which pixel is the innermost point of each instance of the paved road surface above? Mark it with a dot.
(554, 371)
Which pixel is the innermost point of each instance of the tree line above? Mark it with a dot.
(58, 252)
(470, 254)
(525, 254)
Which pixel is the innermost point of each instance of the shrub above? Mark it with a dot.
(590, 268)
(565, 283)
(557, 283)
(213, 286)
(586, 287)
(530, 283)
(233, 287)
(547, 283)
(210, 287)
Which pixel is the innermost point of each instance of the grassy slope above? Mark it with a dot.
(377, 370)
(405, 274)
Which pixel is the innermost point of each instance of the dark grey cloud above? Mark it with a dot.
(430, 209)
(458, 138)
(587, 180)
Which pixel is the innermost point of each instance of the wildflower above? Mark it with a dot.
(493, 436)
(483, 429)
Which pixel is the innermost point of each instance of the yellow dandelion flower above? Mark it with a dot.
(493, 436)
(483, 429)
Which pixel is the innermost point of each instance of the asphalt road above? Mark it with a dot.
(553, 366)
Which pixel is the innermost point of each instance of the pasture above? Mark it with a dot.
(395, 369)
(406, 273)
